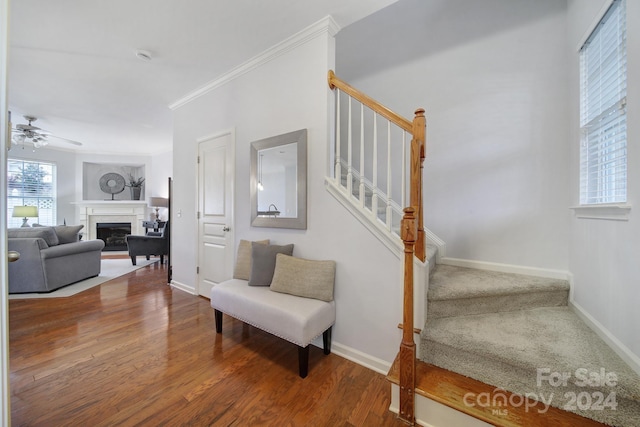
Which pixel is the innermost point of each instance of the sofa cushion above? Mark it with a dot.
(242, 269)
(47, 233)
(263, 262)
(304, 277)
(68, 233)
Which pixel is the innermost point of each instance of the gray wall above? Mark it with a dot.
(492, 77)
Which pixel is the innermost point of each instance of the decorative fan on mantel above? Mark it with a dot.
(33, 134)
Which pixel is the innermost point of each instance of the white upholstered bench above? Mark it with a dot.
(279, 309)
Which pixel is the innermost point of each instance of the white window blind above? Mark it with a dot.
(603, 116)
(31, 183)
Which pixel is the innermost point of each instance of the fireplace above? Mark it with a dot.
(93, 212)
(113, 234)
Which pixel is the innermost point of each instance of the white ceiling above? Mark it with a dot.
(72, 63)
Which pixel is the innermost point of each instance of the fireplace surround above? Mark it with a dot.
(92, 212)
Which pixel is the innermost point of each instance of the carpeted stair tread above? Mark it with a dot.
(458, 291)
(507, 349)
(451, 282)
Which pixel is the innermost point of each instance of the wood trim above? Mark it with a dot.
(417, 161)
(408, 346)
(415, 330)
(450, 389)
(335, 82)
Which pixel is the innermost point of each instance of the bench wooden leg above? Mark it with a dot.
(218, 316)
(303, 361)
(326, 340)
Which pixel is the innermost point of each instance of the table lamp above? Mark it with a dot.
(157, 203)
(25, 212)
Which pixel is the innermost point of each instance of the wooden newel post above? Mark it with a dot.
(407, 346)
(418, 144)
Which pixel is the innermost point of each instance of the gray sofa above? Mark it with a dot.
(51, 257)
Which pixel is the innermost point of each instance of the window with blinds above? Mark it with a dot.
(603, 116)
(31, 183)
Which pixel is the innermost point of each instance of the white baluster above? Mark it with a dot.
(374, 196)
(338, 168)
(389, 210)
(361, 189)
(403, 201)
(349, 154)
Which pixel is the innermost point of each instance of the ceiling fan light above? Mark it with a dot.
(18, 138)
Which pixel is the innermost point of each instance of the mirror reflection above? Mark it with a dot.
(279, 181)
(277, 177)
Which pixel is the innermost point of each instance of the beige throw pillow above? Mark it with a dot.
(242, 269)
(304, 277)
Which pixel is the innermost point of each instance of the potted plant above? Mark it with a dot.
(136, 187)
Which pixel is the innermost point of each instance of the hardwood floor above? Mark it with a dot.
(134, 351)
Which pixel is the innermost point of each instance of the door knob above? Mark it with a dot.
(13, 256)
(226, 229)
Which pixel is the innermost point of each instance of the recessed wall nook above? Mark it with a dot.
(118, 204)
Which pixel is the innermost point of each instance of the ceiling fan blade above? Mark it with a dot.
(70, 141)
(37, 135)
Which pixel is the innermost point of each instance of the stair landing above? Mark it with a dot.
(449, 388)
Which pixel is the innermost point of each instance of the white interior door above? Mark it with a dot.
(215, 210)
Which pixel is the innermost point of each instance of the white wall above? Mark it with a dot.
(492, 78)
(70, 178)
(287, 93)
(66, 177)
(604, 253)
(158, 183)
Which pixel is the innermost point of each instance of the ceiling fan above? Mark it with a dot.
(38, 137)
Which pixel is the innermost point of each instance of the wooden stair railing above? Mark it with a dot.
(411, 232)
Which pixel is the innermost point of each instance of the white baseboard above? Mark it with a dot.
(429, 413)
(616, 345)
(186, 288)
(507, 268)
(438, 242)
(378, 365)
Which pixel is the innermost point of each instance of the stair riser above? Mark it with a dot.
(486, 370)
(495, 304)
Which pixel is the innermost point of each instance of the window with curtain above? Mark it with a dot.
(603, 115)
(31, 183)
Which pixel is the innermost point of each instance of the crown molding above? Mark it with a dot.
(326, 25)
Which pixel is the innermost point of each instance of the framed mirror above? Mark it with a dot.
(279, 181)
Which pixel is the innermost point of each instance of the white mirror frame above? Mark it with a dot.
(300, 221)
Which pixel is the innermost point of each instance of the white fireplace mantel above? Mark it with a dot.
(91, 212)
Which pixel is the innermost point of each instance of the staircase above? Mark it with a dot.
(511, 339)
(516, 333)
